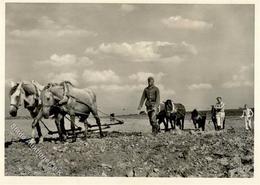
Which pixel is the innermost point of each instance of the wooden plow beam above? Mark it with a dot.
(79, 130)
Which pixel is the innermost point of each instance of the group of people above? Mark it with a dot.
(151, 97)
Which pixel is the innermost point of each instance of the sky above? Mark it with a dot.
(195, 52)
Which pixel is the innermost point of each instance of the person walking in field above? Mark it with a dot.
(247, 115)
(151, 95)
(220, 113)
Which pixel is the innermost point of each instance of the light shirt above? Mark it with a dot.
(220, 107)
(247, 113)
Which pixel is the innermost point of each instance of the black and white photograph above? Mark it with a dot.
(150, 90)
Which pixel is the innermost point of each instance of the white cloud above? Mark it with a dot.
(200, 86)
(66, 60)
(243, 77)
(115, 88)
(127, 8)
(85, 61)
(100, 76)
(144, 51)
(47, 28)
(142, 76)
(54, 77)
(184, 23)
(128, 88)
(166, 93)
(8, 82)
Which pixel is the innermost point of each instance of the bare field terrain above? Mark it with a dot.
(131, 150)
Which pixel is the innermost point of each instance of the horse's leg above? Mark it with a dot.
(203, 124)
(58, 119)
(165, 125)
(159, 123)
(95, 114)
(167, 122)
(86, 128)
(172, 126)
(182, 120)
(72, 124)
(215, 123)
(34, 123)
(38, 128)
(63, 129)
(195, 123)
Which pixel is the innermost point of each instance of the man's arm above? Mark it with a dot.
(157, 97)
(243, 114)
(142, 100)
(252, 113)
(219, 106)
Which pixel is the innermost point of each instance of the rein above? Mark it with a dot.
(16, 106)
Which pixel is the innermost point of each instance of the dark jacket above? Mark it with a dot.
(152, 97)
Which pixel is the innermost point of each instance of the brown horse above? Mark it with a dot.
(198, 119)
(173, 113)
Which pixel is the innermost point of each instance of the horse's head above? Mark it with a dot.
(168, 107)
(48, 101)
(194, 114)
(15, 97)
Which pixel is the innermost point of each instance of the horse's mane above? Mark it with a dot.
(52, 84)
(13, 89)
(66, 82)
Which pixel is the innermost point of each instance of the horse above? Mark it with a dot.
(81, 103)
(28, 93)
(199, 119)
(173, 113)
(214, 118)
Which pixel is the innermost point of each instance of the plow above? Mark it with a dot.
(91, 127)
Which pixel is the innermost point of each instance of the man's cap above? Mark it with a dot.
(150, 78)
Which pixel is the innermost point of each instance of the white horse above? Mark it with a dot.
(81, 103)
(29, 93)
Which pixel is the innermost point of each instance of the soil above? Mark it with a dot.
(189, 153)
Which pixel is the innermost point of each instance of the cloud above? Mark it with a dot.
(179, 22)
(144, 51)
(65, 60)
(49, 28)
(200, 86)
(243, 77)
(54, 77)
(127, 8)
(105, 76)
(131, 88)
(142, 76)
(115, 88)
(8, 82)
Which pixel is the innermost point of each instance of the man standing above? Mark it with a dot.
(152, 96)
(247, 115)
(220, 113)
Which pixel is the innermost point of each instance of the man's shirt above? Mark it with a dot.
(220, 107)
(151, 95)
(247, 113)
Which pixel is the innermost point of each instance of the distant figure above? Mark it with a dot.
(220, 113)
(112, 117)
(152, 96)
(247, 115)
(213, 117)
